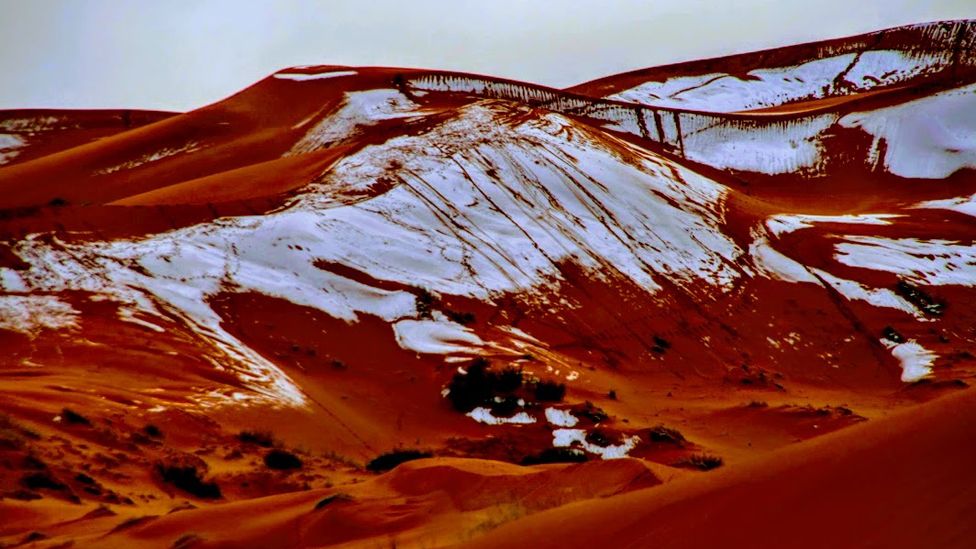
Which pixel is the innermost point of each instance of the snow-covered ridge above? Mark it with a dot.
(816, 79)
(482, 206)
(931, 135)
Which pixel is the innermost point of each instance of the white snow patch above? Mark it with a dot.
(484, 415)
(916, 361)
(773, 263)
(436, 337)
(962, 204)
(150, 157)
(32, 313)
(720, 92)
(929, 138)
(564, 438)
(879, 297)
(10, 146)
(787, 223)
(935, 262)
(10, 281)
(358, 110)
(303, 76)
(766, 147)
(560, 418)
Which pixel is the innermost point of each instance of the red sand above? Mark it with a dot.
(821, 442)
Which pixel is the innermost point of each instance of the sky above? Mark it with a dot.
(183, 54)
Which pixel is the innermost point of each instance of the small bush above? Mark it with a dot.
(258, 438)
(598, 438)
(549, 391)
(661, 345)
(461, 318)
(508, 380)
(592, 412)
(920, 299)
(480, 385)
(390, 460)
(892, 334)
(187, 478)
(74, 418)
(612, 395)
(702, 462)
(282, 460)
(424, 302)
(37, 481)
(152, 431)
(666, 435)
(556, 455)
(504, 406)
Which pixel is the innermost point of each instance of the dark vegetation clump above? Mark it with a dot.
(390, 460)
(598, 438)
(702, 462)
(661, 345)
(504, 406)
(480, 386)
(461, 318)
(914, 295)
(892, 334)
(556, 455)
(57, 202)
(41, 480)
(612, 395)
(282, 460)
(74, 418)
(592, 412)
(187, 478)
(263, 439)
(757, 404)
(152, 431)
(549, 391)
(666, 435)
(424, 301)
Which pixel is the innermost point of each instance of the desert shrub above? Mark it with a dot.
(187, 478)
(74, 418)
(661, 345)
(612, 395)
(892, 334)
(42, 479)
(549, 391)
(556, 455)
(390, 460)
(461, 318)
(258, 438)
(591, 412)
(282, 460)
(598, 438)
(919, 298)
(757, 404)
(666, 435)
(152, 431)
(424, 302)
(702, 462)
(508, 380)
(480, 385)
(504, 406)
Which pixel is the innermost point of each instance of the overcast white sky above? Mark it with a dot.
(182, 54)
